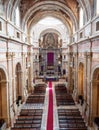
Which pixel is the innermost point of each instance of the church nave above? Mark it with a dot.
(49, 64)
(49, 107)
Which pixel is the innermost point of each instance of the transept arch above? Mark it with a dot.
(62, 31)
(54, 14)
(51, 31)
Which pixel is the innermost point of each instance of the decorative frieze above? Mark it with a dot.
(13, 54)
(29, 53)
(10, 54)
(70, 54)
(89, 54)
(75, 54)
(23, 53)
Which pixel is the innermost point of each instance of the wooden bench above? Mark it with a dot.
(70, 119)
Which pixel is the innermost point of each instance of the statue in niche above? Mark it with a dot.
(50, 40)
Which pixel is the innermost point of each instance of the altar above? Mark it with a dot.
(51, 78)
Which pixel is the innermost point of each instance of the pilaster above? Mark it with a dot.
(87, 85)
(89, 58)
(70, 72)
(75, 70)
(23, 54)
(8, 57)
(30, 69)
(85, 76)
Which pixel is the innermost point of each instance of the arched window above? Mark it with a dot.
(81, 15)
(97, 7)
(17, 16)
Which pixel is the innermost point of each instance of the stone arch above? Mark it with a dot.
(18, 72)
(95, 93)
(81, 79)
(17, 3)
(54, 15)
(59, 31)
(4, 109)
(50, 30)
(9, 6)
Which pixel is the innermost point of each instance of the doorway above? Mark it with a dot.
(3, 96)
(18, 81)
(95, 94)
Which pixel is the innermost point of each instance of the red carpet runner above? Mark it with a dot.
(50, 109)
